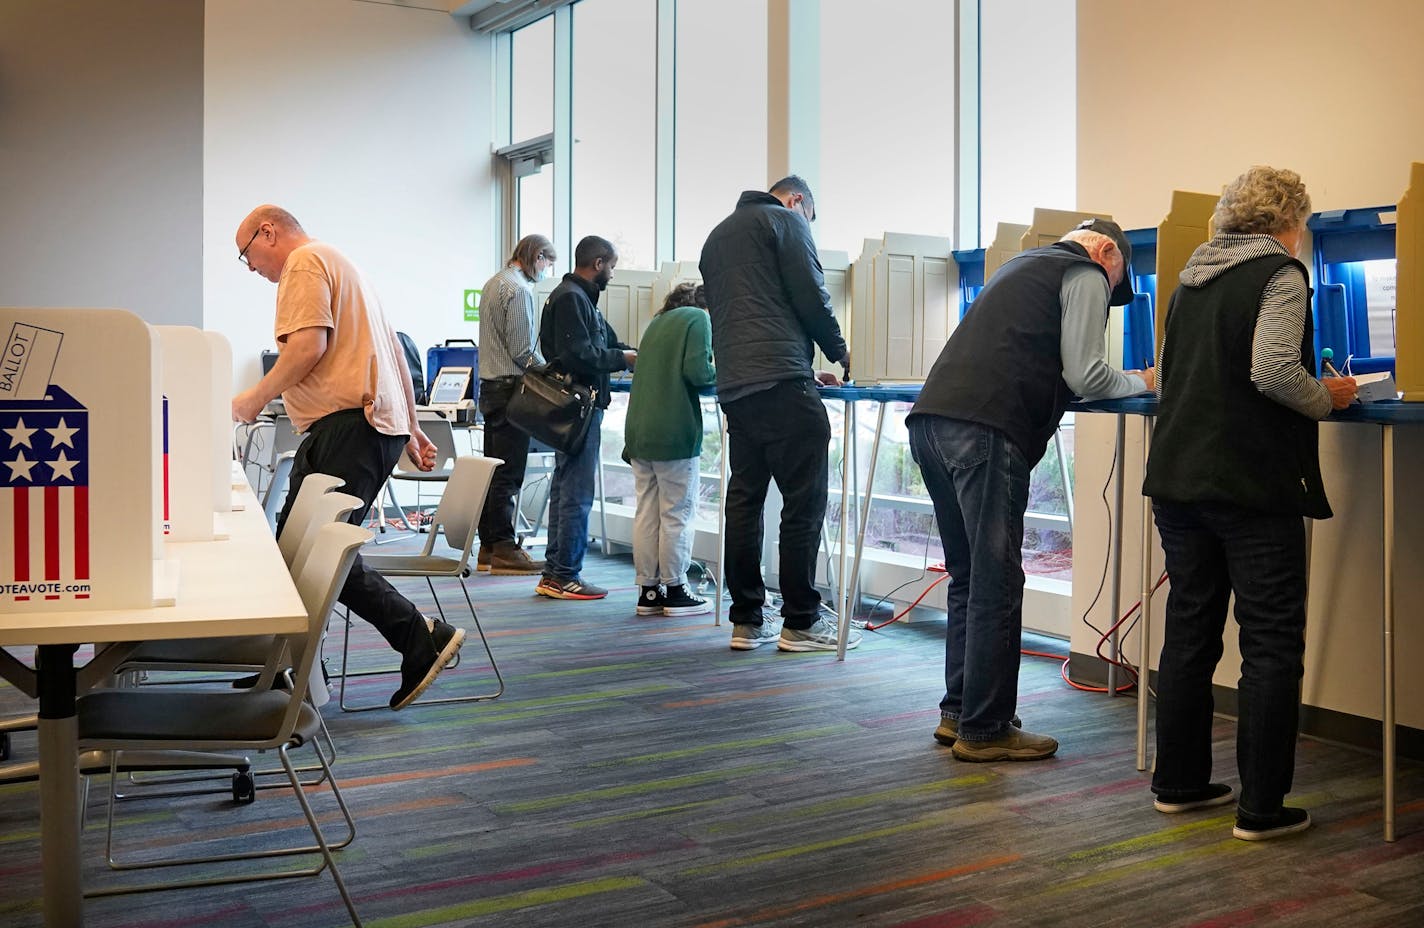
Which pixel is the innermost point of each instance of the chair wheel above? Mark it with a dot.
(244, 789)
(4, 745)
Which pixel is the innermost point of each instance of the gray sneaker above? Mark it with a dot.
(751, 637)
(821, 636)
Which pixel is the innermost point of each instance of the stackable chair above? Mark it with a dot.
(315, 505)
(458, 517)
(153, 719)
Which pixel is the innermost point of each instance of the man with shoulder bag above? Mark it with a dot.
(576, 339)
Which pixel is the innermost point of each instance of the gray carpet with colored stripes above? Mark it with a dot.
(638, 772)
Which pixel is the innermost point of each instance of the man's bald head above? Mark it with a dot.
(280, 219)
(267, 237)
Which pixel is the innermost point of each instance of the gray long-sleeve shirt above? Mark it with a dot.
(1084, 295)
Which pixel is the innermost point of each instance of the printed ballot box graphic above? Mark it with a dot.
(80, 463)
(44, 498)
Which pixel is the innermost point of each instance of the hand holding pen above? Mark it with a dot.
(1341, 388)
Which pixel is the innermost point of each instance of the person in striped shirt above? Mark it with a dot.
(508, 344)
(1234, 466)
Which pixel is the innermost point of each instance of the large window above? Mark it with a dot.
(531, 109)
(536, 208)
(615, 126)
(1028, 109)
(887, 121)
(721, 114)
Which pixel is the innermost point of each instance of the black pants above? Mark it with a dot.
(780, 434)
(1212, 551)
(505, 441)
(345, 445)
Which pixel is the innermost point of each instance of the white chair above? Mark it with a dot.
(458, 516)
(257, 720)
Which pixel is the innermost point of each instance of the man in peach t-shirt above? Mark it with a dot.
(342, 375)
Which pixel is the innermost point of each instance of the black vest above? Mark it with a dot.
(1218, 438)
(1003, 366)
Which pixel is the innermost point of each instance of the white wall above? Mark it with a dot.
(1188, 95)
(371, 123)
(101, 169)
(1332, 91)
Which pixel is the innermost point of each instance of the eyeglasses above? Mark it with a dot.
(242, 255)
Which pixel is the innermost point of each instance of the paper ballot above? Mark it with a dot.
(1371, 388)
(28, 362)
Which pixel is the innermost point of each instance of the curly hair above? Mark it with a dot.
(687, 293)
(1263, 201)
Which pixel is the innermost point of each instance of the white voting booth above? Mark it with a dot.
(82, 486)
(186, 375)
(81, 445)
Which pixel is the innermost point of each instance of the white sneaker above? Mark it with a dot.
(822, 636)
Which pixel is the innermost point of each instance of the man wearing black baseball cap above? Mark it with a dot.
(1032, 340)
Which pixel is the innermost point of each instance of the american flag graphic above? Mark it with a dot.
(44, 498)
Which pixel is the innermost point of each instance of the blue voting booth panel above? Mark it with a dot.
(971, 276)
(1139, 345)
(1344, 240)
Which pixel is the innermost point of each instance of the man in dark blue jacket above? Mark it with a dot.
(768, 300)
(574, 336)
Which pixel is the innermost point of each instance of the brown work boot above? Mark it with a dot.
(482, 560)
(508, 559)
(1015, 744)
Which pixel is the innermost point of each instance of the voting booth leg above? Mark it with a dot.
(843, 591)
(1115, 545)
(865, 506)
(1387, 454)
(1144, 618)
(721, 513)
(59, 785)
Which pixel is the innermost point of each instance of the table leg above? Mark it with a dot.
(59, 786)
(1387, 453)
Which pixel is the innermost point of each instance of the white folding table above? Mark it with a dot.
(236, 586)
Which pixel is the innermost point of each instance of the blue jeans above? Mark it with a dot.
(1213, 550)
(978, 481)
(570, 499)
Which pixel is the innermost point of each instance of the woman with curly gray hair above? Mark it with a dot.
(1234, 466)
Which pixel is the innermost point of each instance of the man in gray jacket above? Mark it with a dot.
(768, 301)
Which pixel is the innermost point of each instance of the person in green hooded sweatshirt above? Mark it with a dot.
(663, 442)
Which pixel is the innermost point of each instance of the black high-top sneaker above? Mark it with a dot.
(680, 600)
(651, 600)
